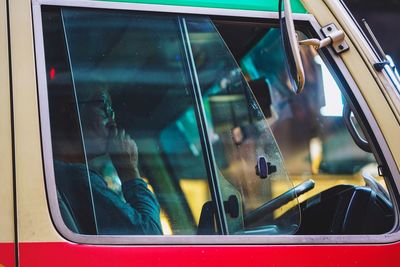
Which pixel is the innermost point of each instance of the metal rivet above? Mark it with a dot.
(341, 47)
(329, 29)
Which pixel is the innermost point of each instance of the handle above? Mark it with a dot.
(360, 142)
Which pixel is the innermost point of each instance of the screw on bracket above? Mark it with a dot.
(337, 36)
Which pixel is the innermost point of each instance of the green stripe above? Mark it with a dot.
(261, 5)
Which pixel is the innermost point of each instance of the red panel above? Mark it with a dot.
(7, 255)
(67, 254)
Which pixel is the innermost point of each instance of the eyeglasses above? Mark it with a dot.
(107, 108)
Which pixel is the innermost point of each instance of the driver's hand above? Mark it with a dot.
(124, 154)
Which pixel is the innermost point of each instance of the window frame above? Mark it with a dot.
(390, 75)
(306, 21)
(8, 188)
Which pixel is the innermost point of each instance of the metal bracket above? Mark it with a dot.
(338, 44)
(333, 36)
(380, 171)
(379, 66)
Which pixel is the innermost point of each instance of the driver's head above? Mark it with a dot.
(97, 118)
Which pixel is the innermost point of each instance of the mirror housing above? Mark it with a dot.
(333, 36)
(291, 47)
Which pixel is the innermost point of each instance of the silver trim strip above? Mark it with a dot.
(166, 8)
(78, 113)
(208, 151)
(189, 240)
(45, 123)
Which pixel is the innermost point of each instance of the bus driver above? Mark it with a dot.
(119, 198)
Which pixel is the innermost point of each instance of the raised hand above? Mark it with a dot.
(124, 155)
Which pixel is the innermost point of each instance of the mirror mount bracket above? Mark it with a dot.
(333, 36)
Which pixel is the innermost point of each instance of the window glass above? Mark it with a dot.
(131, 104)
(240, 137)
(311, 132)
(127, 135)
(168, 125)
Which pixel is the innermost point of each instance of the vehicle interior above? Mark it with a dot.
(223, 143)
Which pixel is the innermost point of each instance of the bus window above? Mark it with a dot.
(128, 142)
(167, 125)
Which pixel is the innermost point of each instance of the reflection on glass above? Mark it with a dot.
(114, 57)
(309, 127)
(240, 135)
(333, 96)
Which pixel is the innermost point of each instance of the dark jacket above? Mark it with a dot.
(139, 215)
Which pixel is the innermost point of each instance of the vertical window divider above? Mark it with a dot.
(79, 121)
(204, 137)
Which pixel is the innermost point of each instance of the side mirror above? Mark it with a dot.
(291, 47)
(333, 36)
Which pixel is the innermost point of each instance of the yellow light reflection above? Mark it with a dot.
(165, 224)
(196, 193)
(315, 154)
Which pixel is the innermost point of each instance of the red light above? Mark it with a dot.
(52, 73)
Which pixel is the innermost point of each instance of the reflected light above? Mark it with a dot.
(333, 96)
(315, 154)
(165, 222)
(52, 73)
(196, 193)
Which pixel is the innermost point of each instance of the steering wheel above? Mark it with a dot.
(279, 201)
